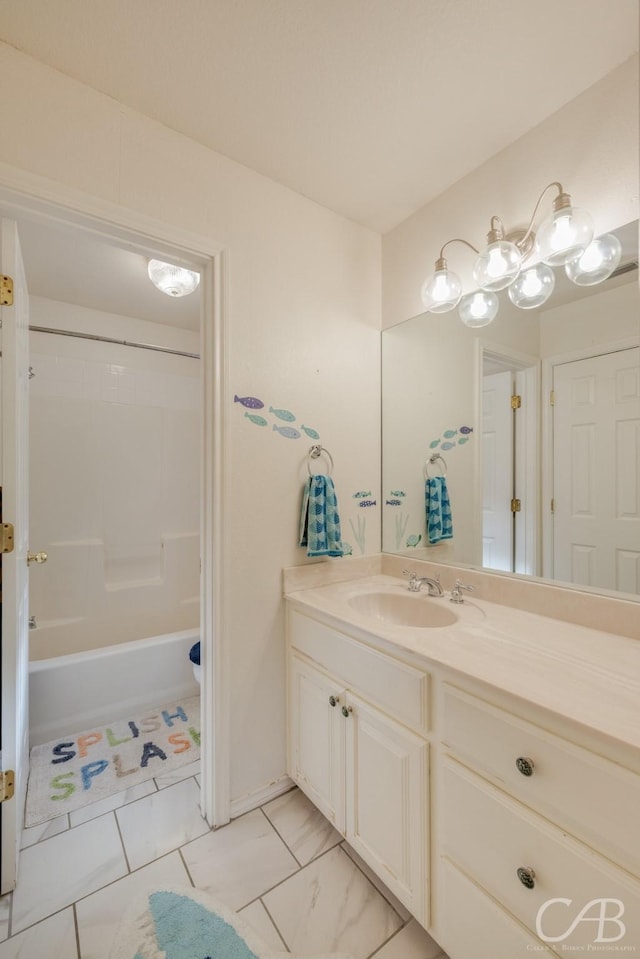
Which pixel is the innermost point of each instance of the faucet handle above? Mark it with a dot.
(456, 592)
(411, 574)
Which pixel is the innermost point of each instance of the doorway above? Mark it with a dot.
(214, 794)
(509, 405)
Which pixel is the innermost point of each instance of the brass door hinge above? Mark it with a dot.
(6, 538)
(516, 402)
(7, 785)
(515, 505)
(553, 505)
(552, 398)
(6, 291)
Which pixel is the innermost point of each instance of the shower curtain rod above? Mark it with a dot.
(108, 339)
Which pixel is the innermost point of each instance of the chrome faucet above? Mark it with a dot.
(416, 582)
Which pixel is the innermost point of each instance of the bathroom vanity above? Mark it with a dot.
(483, 760)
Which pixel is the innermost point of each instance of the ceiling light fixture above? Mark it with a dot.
(563, 239)
(172, 280)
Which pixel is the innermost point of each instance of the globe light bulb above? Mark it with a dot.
(442, 291)
(498, 266)
(532, 287)
(597, 262)
(478, 309)
(565, 234)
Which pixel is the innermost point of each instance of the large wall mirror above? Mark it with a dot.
(535, 422)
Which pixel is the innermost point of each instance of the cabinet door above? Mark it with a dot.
(317, 738)
(387, 802)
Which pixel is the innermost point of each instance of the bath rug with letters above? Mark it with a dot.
(188, 924)
(81, 768)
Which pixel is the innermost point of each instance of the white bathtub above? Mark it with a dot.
(76, 690)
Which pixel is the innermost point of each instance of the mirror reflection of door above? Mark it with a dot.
(596, 471)
(510, 505)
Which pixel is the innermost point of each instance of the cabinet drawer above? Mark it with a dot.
(399, 689)
(470, 923)
(490, 837)
(591, 797)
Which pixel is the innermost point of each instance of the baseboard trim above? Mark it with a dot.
(260, 796)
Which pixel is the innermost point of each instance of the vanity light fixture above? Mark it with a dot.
(172, 280)
(563, 239)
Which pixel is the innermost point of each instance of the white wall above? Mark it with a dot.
(590, 146)
(608, 316)
(114, 447)
(303, 309)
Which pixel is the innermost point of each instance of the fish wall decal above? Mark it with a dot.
(288, 431)
(311, 433)
(282, 414)
(258, 420)
(367, 502)
(466, 429)
(397, 492)
(252, 402)
(361, 494)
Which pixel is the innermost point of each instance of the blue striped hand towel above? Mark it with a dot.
(438, 507)
(319, 518)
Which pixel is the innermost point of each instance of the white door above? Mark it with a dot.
(596, 471)
(14, 424)
(388, 802)
(317, 738)
(497, 471)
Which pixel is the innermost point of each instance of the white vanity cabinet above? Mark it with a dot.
(543, 827)
(348, 751)
(507, 827)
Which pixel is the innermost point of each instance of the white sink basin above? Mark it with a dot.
(400, 609)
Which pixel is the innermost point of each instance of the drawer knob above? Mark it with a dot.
(346, 710)
(527, 876)
(525, 766)
(334, 700)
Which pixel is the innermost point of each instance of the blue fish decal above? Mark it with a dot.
(448, 434)
(397, 492)
(288, 431)
(463, 439)
(414, 539)
(433, 444)
(394, 502)
(367, 502)
(282, 414)
(312, 433)
(251, 402)
(361, 494)
(258, 420)
(447, 446)
(466, 429)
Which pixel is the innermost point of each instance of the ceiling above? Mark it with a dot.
(369, 107)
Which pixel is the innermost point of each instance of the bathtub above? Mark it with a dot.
(70, 691)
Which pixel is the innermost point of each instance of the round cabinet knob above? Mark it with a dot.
(38, 558)
(334, 700)
(527, 876)
(346, 710)
(525, 766)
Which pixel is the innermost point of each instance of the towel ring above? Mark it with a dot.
(317, 451)
(431, 461)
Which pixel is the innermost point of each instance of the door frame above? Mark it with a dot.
(26, 194)
(548, 365)
(527, 526)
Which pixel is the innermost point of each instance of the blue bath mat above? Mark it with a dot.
(72, 771)
(187, 924)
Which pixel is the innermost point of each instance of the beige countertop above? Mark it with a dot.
(585, 675)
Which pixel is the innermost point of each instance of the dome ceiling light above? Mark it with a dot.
(172, 280)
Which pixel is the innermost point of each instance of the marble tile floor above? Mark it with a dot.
(282, 867)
